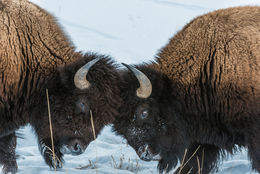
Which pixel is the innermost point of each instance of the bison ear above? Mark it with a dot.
(145, 89)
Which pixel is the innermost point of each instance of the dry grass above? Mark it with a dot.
(183, 165)
(91, 165)
(132, 166)
(200, 168)
(92, 124)
(94, 134)
(52, 142)
(199, 163)
(122, 163)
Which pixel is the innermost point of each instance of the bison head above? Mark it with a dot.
(146, 118)
(83, 89)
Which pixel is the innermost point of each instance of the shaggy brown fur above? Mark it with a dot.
(213, 100)
(35, 54)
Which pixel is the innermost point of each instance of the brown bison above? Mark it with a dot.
(36, 55)
(200, 99)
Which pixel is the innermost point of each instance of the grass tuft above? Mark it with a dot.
(52, 142)
(183, 165)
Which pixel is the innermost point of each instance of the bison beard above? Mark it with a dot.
(205, 99)
(35, 54)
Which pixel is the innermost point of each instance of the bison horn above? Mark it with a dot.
(145, 89)
(80, 76)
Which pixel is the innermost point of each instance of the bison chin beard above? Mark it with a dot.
(46, 150)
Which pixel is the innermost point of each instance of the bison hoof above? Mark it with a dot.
(10, 167)
(53, 163)
(162, 166)
(56, 164)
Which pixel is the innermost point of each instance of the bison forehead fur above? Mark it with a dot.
(205, 98)
(36, 55)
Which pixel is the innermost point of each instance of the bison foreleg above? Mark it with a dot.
(254, 152)
(53, 160)
(169, 160)
(200, 158)
(7, 153)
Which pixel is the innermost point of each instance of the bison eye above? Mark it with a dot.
(144, 114)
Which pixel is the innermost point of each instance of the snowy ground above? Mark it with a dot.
(131, 31)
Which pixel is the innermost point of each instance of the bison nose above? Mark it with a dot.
(77, 149)
(144, 153)
(145, 156)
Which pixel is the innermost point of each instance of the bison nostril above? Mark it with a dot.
(77, 148)
(146, 156)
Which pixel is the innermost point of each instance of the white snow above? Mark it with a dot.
(131, 31)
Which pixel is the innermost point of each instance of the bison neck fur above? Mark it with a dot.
(206, 93)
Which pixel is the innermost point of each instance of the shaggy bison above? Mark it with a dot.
(36, 55)
(200, 99)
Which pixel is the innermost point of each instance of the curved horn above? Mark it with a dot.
(145, 89)
(80, 80)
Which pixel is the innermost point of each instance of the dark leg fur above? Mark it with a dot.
(254, 152)
(170, 157)
(206, 157)
(7, 153)
(168, 162)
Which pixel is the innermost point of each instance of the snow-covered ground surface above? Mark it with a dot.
(131, 31)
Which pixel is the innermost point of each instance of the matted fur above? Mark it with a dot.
(206, 93)
(35, 54)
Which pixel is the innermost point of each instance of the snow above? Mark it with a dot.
(131, 31)
(107, 154)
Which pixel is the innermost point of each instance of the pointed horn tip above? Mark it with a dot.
(145, 89)
(127, 66)
(96, 60)
(130, 67)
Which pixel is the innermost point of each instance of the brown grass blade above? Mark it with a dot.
(52, 142)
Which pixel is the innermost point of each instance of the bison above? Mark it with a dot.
(200, 99)
(36, 55)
